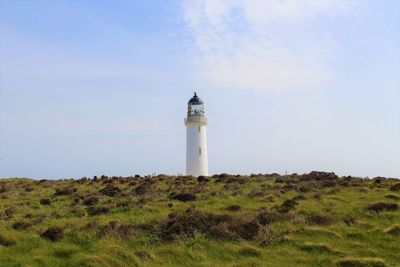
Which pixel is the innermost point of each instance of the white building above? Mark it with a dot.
(196, 138)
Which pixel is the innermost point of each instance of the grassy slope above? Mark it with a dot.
(304, 244)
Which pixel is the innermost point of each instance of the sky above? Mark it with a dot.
(91, 88)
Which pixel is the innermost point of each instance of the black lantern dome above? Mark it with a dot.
(195, 100)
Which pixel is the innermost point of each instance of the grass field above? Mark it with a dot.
(315, 219)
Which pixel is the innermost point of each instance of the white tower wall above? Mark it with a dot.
(196, 147)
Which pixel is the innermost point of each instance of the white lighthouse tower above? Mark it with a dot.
(196, 138)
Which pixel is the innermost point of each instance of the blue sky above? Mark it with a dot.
(101, 88)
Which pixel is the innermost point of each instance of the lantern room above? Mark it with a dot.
(195, 106)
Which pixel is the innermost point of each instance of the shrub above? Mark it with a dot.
(124, 204)
(250, 252)
(233, 207)
(271, 198)
(185, 224)
(45, 201)
(378, 180)
(9, 213)
(299, 197)
(267, 236)
(318, 175)
(319, 248)
(394, 197)
(184, 197)
(76, 200)
(256, 193)
(394, 230)
(65, 191)
(245, 230)
(268, 217)
(90, 201)
(142, 188)
(239, 180)
(110, 190)
(221, 231)
(106, 181)
(3, 188)
(348, 220)
(221, 177)
(395, 187)
(28, 189)
(286, 179)
(305, 187)
(382, 206)
(116, 229)
(360, 262)
(93, 210)
(21, 225)
(202, 179)
(288, 205)
(320, 219)
(189, 223)
(288, 187)
(90, 225)
(328, 183)
(53, 233)
(6, 242)
(144, 255)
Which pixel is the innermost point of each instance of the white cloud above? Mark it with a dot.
(253, 43)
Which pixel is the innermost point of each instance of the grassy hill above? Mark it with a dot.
(315, 219)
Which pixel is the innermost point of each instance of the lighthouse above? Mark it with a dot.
(196, 138)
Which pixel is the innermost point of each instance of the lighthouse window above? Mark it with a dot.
(199, 151)
(199, 129)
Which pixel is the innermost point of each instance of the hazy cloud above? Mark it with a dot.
(254, 44)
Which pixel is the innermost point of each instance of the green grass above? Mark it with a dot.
(371, 239)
